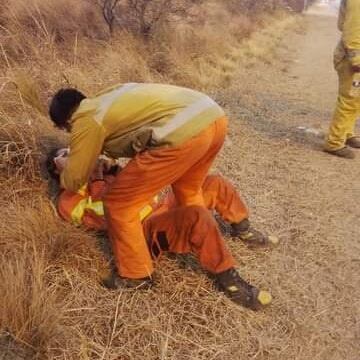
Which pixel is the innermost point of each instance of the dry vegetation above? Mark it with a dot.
(52, 306)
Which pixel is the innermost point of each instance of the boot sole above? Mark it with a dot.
(338, 153)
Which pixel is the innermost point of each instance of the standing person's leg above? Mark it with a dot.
(192, 229)
(143, 177)
(187, 189)
(346, 112)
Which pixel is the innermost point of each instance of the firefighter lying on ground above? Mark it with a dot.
(172, 228)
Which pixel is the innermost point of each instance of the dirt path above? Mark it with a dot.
(306, 196)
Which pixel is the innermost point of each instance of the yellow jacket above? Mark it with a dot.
(129, 118)
(349, 24)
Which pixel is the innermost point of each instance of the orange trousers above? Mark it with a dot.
(178, 229)
(183, 167)
(193, 229)
(189, 229)
(220, 195)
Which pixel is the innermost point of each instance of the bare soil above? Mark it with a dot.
(305, 196)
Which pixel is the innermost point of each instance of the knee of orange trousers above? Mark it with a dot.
(221, 195)
(130, 249)
(188, 197)
(202, 238)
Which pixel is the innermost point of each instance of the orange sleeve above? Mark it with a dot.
(97, 189)
(66, 203)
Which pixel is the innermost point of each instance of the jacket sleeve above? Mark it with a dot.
(66, 203)
(351, 31)
(86, 142)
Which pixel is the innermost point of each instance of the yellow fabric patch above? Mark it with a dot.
(273, 239)
(97, 207)
(86, 204)
(145, 212)
(247, 236)
(264, 297)
(232, 288)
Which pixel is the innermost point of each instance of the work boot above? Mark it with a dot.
(353, 142)
(115, 281)
(250, 236)
(344, 152)
(241, 292)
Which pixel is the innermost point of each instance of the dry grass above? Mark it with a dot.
(52, 304)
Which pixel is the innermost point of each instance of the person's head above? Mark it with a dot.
(63, 105)
(56, 161)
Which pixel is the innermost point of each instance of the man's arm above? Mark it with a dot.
(87, 138)
(351, 32)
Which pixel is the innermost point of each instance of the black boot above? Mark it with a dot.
(250, 236)
(241, 292)
(344, 152)
(353, 142)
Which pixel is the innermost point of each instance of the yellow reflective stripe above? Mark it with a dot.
(145, 212)
(148, 209)
(183, 117)
(97, 207)
(78, 212)
(107, 100)
(232, 288)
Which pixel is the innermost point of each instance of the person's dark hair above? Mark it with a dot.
(63, 104)
(50, 165)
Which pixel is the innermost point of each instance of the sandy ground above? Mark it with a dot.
(307, 197)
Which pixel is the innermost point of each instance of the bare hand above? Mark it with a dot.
(60, 163)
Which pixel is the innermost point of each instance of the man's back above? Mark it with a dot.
(132, 118)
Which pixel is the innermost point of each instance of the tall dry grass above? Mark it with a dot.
(52, 306)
